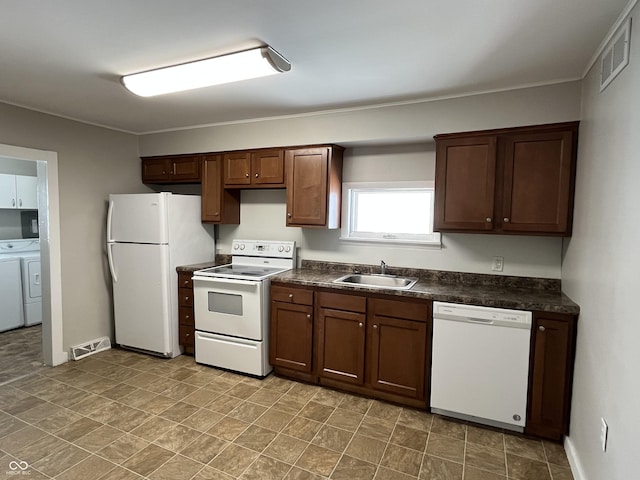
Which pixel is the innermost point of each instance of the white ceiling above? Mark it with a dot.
(66, 56)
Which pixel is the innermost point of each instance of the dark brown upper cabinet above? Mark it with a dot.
(509, 181)
(218, 205)
(314, 186)
(171, 169)
(254, 169)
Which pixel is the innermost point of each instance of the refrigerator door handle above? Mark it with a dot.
(111, 266)
(109, 221)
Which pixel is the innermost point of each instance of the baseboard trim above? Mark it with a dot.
(574, 461)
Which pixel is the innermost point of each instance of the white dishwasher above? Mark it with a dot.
(480, 364)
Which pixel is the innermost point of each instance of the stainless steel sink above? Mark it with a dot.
(378, 281)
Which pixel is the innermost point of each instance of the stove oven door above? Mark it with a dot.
(230, 307)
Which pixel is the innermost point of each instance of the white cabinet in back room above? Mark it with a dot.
(18, 191)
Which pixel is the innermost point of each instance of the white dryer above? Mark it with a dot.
(27, 252)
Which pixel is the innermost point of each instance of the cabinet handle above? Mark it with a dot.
(186, 298)
(505, 219)
(360, 325)
(488, 219)
(256, 175)
(541, 328)
(291, 295)
(164, 172)
(187, 334)
(375, 327)
(246, 175)
(309, 316)
(289, 215)
(186, 283)
(187, 317)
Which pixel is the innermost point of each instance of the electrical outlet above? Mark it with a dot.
(498, 264)
(604, 434)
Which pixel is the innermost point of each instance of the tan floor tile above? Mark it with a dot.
(290, 404)
(434, 468)
(279, 384)
(148, 459)
(384, 411)
(302, 428)
(179, 390)
(349, 468)
(223, 404)
(560, 473)
(446, 447)
(265, 397)
(274, 420)
(328, 397)
(228, 428)
(177, 467)
(524, 447)
(345, 419)
(39, 449)
(122, 448)
(247, 412)
(204, 448)
(99, 438)
(242, 391)
(472, 473)
(409, 437)
(318, 460)
(366, 448)
(60, 460)
(286, 448)
(77, 429)
(119, 391)
(91, 404)
(209, 473)
(234, 460)
(153, 428)
(24, 405)
(316, 411)
(385, 473)
(416, 419)
(202, 420)
(485, 437)
(200, 398)
(522, 468)
(90, 467)
(265, 468)
(13, 442)
(303, 391)
(555, 454)
(149, 402)
(376, 428)
(176, 438)
(485, 458)
(255, 438)
(36, 414)
(128, 418)
(298, 474)
(402, 459)
(449, 427)
(58, 420)
(355, 404)
(179, 412)
(9, 425)
(332, 438)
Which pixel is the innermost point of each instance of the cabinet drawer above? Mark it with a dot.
(185, 315)
(408, 310)
(185, 297)
(186, 336)
(339, 301)
(280, 293)
(184, 280)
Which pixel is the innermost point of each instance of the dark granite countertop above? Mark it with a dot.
(519, 293)
(220, 260)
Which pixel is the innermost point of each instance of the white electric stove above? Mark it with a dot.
(231, 306)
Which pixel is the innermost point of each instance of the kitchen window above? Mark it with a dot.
(389, 212)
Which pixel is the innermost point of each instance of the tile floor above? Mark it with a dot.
(121, 415)
(20, 353)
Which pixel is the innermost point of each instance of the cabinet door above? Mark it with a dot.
(27, 192)
(7, 190)
(218, 205)
(185, 169)
(291, 336)
(237, 169)
(267, 167)
(538, 182)
(465, 183)
(307, 187)
(550, 377)
(155, 170)
(397, 356)
(341, 341)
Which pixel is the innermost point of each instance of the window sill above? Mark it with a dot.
(435, 244)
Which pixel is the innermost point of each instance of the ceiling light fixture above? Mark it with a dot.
(254, 63)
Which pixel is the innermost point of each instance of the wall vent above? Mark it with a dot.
(89, 348)
(616, 56)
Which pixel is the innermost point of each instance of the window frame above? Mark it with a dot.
(347, 234)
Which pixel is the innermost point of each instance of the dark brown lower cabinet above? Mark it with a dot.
(185, 312)
(291, 336)
(398, 350)
(551, 374)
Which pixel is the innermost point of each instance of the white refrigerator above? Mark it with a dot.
(148, 236)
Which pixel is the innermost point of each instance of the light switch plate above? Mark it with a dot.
(498, 264)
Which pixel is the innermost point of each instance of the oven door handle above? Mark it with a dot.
(224, 281)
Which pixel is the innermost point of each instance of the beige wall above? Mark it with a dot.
(394, 143)
(93, 162)
(600, 272)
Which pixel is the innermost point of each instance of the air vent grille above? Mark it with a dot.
(616, 55)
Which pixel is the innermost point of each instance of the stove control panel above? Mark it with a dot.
(263, 248)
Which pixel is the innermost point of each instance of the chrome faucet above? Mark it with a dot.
(383, 267)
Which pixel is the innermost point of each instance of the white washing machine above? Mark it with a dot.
(28, 253)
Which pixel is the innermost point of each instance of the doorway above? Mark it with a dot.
(53, 352)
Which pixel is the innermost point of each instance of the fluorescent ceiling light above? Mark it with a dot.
(258, 62)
